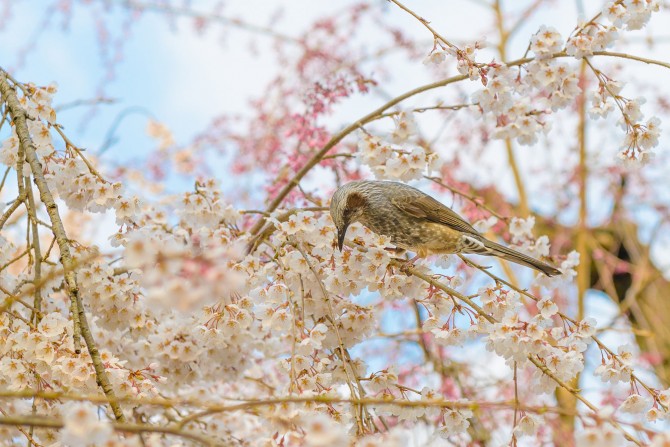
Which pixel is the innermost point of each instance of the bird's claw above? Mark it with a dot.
(405, 266)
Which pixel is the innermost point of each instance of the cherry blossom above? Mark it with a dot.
(202, 310)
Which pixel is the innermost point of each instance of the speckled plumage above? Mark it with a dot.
(415, 221)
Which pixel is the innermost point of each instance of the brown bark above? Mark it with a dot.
(620, 266)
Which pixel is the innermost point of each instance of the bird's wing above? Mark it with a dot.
(425, 207)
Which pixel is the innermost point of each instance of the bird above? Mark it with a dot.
(416, 222)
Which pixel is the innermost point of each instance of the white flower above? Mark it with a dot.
(126, 210)
(455, 421)
(614, 12)
(580, 45)
(541, 246)
(615, 370)
(654, 414)
(625, 353)
(299, 222)
(571, 261)
(397, 162)
(449, 337)
(383, 380)
(53, 325)
(9, 150)
(664, 398)
(648, 138)
(487, 295)
(484, 225)
(161, 133)
(140, 250)
(435, 58)
(599, 437)
(635, 404)
(587, 327)
(405, 127)
(522, 228)
(41, 138)
(638, 12)
(546, 41)
(322, 431)
(83, 428)
(546, 75)
(632, 109)
(604, 37)
(547, 307)
(527, 425)
(372, 151)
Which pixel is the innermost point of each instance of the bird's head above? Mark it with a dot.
(346, 207)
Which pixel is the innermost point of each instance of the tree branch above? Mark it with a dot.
(80, 322)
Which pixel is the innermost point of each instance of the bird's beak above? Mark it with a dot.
(340, 236)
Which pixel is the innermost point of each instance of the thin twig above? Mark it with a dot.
(84, 102)
(70, 145)
(424, 22)
(335, 139)
(344, 354)
(36, 315)
(4, 177)
(532, 358)
(13, 207)
(564, 317)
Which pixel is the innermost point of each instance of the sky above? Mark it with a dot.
(175, 75)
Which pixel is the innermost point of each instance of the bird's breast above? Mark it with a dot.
(434, 238)
(417, 235)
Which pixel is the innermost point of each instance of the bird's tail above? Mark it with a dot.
(495, 249)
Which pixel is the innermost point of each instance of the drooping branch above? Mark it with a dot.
(533, 359)
(252, 403)
(80, 322)
(316, 158)
(338, 137)
(122, 427)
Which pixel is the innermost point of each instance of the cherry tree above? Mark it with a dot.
(223, 314)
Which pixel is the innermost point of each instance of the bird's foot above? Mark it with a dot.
(391, 267)
(407, 265)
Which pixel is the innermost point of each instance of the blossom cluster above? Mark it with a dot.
(520, 102)
(559, 350)
(44, 357)
(521, 99)
(274, 335)
(284, 322)
(622, 14)
(630, 14)
(393, 161)
(190, 266)
(641, 136)
(37, 103)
